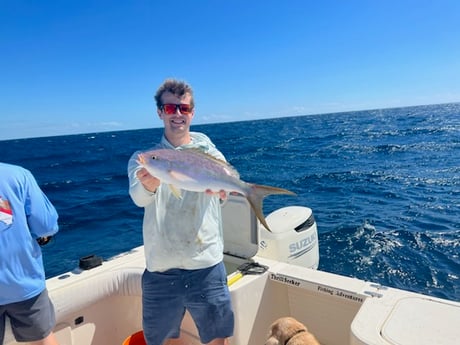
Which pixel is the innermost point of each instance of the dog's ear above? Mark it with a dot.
(275, 334)
(279, 332)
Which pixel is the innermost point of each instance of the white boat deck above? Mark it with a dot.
(102, 306)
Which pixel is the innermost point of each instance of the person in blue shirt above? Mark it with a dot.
(183, 237)
(27, 220)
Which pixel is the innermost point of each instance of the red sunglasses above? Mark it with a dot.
(170, 109)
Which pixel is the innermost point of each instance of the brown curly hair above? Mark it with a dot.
(177, 88)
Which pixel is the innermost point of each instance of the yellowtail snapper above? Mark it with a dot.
(193, 170)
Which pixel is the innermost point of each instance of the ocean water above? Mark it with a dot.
(384, 186)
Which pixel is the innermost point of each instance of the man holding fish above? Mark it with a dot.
(179, 184)
(182, 231)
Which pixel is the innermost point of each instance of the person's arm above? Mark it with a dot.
(41, 215)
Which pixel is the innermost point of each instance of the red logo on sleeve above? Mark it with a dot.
(6, 213)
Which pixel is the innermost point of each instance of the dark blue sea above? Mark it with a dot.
(384, 186)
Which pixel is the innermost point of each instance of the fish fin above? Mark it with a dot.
(228, 168)
(255, 195)
(177, 193)
(141, 160)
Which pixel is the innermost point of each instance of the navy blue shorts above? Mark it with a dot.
(31, 320)
(203, 292)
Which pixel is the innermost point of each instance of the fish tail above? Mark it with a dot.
(255, 195)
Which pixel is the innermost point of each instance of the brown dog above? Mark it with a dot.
(289, 331)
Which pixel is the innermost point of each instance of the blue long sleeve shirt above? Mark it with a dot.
(25, 214)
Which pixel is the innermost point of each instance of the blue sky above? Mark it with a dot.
(78, 66)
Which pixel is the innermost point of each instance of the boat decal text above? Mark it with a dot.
(285, 280)
(340, 293)
(323, 289)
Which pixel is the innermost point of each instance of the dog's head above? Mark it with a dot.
(283, 329)
(289, 331)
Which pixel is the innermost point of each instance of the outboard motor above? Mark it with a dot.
(294, 237)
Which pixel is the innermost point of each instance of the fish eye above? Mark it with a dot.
(154, 157)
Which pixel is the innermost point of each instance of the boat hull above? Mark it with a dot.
(103, 306)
